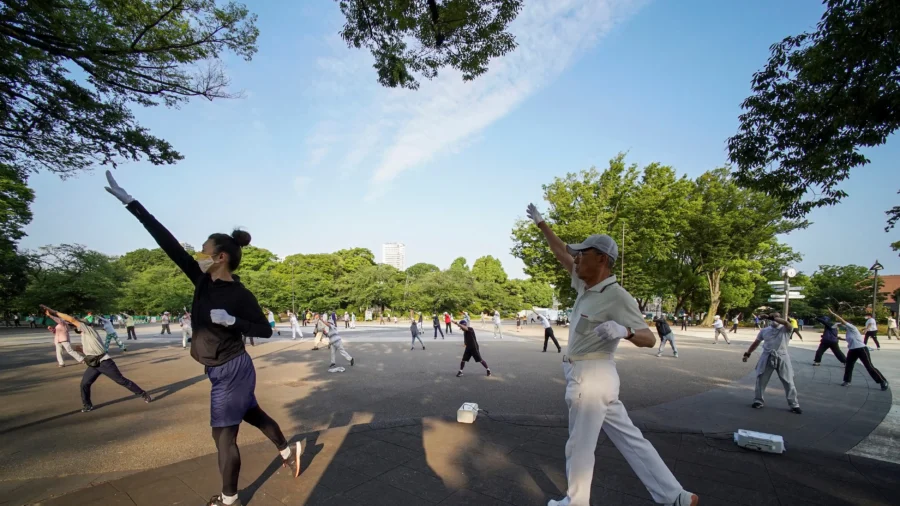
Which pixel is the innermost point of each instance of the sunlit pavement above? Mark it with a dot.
(380, 435)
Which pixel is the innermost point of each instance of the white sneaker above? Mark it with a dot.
(562, 502)
(659, 354)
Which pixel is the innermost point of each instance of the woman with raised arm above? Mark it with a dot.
(857, 350)
(222, 311)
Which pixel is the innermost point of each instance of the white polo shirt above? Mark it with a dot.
(854, 338)
(545, 322)
(606, 301)
(871, 325)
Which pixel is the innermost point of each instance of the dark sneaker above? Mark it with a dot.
(216, 500)
(488, 372)
(332, 365)
(146, 397)
(686, 498)
(459, 374)
(757, 405)
(351, 362)
(293, 461)
(796, 409)
(86, 408)
(884, 386)
(423, 348)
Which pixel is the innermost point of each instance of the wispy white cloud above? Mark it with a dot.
(388, 132)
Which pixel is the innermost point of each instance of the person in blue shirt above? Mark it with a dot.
(829, 342)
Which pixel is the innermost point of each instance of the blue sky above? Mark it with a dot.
(317, 156)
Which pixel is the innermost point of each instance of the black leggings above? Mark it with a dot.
(449, 329)
(230, 455)
(823, 347)
(862, 354)
(874, 335)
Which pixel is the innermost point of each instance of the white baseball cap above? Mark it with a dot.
(601, 242)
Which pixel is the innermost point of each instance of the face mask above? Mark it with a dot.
(205, 261)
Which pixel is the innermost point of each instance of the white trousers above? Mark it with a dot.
(498, 330)
(592, 393)
(186, 334)
(72, 353)
(295, 331)
(319, 336)
(339, 346)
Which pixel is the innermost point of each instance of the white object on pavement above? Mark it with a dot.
(336, 369)
(760, 441)
(467, 412)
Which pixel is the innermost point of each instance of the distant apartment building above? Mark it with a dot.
(394, 253)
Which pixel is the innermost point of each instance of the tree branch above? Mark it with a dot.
(158, 21)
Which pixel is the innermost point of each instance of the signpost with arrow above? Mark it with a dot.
(784, 287)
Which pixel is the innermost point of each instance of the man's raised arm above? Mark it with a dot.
(51, 313)
(557, 246)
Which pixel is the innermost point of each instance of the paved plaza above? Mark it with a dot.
(384, 431)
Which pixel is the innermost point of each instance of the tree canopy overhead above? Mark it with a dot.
(72, 68)
(822, 96)
(419, 37)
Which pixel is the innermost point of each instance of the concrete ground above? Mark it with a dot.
(49, 447)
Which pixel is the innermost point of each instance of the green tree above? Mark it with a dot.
(418, 270)
(376, 285)
(257, 259)
(459, 264)
(846, 289)
(531, 292)
(488, 269)
(822, 96)
(451, 290)
(72, 68)
(158, 288)
(728, 226)
(142, 259)
(423, 36)
(15, 214)
(75, 279)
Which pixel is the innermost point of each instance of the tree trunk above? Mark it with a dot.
(713, 279)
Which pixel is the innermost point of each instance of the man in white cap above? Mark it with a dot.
(775, 358)
(719, 327)
(603, 314)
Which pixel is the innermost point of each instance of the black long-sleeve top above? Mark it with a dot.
(663, 327)
(469, 339)
(211, 344)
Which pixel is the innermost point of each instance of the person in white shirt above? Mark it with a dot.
(719, 328)
(892, 327)
(295, 326)
(187, 332)
(353, 321)
(484, 319)
(336, 343)
(871, 331)
(497, 323)
(346, 320)
(857, 350)
(774, 358)
(165, 324)
(271, 317)
(548, 333)
(110, 333)
(734, 323)
(603, 315)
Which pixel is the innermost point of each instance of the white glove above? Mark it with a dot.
(534, 214)
(117, 191)
(221, 317)
(610, 331)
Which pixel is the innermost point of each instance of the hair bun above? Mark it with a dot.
(241, 237)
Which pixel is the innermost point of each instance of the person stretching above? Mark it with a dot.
(110, 333)
(829, 342)
(471, 344)
(223, 309)
(665, 334)
(337, 344)
(548, 332)
(414, 328)
(449, 329)
(497, 324)
(719, 328)
(871, 331)
(774, 358)
(98, 361)
(186, 332)
(857, 350)
(295, 326)
(61, 338)
(436, 322)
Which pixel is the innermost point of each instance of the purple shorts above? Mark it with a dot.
(232, 394)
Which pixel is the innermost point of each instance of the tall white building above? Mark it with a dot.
(394, 253)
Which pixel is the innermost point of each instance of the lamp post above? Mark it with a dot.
(875, 268)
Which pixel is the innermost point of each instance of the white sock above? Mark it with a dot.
(286, 452)
(229, 499)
